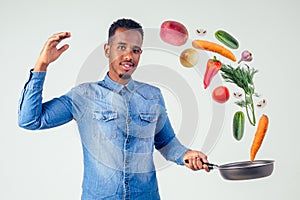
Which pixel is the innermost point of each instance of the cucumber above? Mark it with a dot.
(238, 125)
(227, 39)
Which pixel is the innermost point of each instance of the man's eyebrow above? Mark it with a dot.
(124, 43)
(138, 47)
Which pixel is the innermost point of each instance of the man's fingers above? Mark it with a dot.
(194, 163)
(189, 163)
(195, 160)
(194, 166)
(63, 48)
(61, 35)
(203, 157)
(205, 167)
(57, 38)
(204, 160)
(64, 35)
(199, 163)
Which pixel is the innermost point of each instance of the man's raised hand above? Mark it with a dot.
(50, 52)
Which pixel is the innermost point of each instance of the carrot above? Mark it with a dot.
(214, 47)
(259, 136)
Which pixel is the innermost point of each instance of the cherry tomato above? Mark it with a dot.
(220, 94)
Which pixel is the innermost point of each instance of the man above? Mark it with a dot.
(120, 120)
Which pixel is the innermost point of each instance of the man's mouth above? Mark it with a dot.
(127, 65)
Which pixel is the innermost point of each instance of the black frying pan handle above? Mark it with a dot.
(209, 165)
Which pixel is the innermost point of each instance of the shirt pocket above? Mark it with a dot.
(147, 125)
(104, 124)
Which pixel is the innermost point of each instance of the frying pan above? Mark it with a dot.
(244, 170)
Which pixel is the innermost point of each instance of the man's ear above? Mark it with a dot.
(106, 50)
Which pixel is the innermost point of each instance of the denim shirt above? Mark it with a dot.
(119, 127)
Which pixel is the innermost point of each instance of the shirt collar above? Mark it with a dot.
(117, 87)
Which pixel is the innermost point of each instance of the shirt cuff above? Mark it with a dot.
(36, 80)
(174, 151)
(179, 161)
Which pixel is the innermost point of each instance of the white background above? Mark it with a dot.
(48, 164)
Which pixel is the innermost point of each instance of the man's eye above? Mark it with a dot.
(136, 51)
(122, 48)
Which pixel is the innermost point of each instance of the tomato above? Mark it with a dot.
(220, 94)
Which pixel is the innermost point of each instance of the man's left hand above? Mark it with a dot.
(192, 159)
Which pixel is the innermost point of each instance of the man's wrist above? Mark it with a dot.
(40, 67)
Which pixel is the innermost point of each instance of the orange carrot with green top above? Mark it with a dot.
(214, 47)
(259, 136)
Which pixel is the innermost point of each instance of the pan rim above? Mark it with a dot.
(246, 164)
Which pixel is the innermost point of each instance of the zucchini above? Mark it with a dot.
(238, 125)
(227, 39)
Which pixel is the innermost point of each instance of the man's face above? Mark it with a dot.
(123, 52)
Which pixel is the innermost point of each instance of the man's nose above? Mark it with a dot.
(128, 55)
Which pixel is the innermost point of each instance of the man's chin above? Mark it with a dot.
(125, 76)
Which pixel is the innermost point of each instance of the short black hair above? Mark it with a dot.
(124, 23)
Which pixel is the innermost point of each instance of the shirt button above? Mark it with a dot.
(128, 141)
(127, 161)
(126, 182)
(128, 120)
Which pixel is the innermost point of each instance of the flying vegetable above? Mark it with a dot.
(243, 78)
(212, 68)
